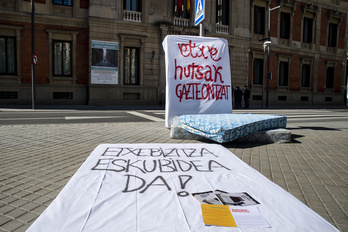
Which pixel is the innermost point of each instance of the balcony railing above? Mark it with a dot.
(223, 29)
(181, 22)
(133, 16)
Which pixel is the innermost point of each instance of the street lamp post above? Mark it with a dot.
(263, 74)
(269, 75)
(265, 44)
(32, 54)
(347, 80)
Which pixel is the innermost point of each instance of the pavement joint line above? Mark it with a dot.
(155, 119)
(21, 119)
(90, 117)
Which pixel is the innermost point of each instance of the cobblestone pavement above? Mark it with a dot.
(38, 160)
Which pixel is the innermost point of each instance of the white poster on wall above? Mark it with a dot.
(104, 69)
(198, 76)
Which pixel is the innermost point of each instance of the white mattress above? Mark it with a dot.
(224, 128)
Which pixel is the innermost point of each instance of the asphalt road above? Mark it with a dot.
(76, 116)
(328, 118)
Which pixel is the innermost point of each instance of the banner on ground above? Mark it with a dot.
(147, 187)
(198, 76)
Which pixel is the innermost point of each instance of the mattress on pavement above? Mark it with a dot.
(224, 128)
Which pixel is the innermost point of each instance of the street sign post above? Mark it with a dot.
(199, 11)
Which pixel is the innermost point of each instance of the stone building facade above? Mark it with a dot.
(308, 51)
(74, 40)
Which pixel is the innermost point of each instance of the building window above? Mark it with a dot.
(283, 73)
(8, 55)
(63, 2)
(62, 58)
(222, 9)
(259, 20)
(306, 75)
(332, 36)
(285, 25)
(307, 30)
(330, 76)
(258, 71)
(132, 10)
(132, 5)
(62, 55)
(131, 66)
(182, 8)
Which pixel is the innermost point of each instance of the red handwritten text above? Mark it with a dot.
(203, 69)
(195, 71)
(194, 51)
(198, 91)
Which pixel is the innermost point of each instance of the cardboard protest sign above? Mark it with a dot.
(146, 187)
(198, 76)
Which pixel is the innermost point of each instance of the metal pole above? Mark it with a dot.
(201, 29)
(269, 23)
(268, 76)
(346, 80)
(263, 74)
(269, 37)
(32, 54)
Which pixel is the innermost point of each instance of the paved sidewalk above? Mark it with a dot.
(38, 160)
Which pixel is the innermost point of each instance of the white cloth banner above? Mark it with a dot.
(198, 76)
(145, 187)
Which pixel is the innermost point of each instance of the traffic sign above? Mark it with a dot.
(34, 59)
(199, 11)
